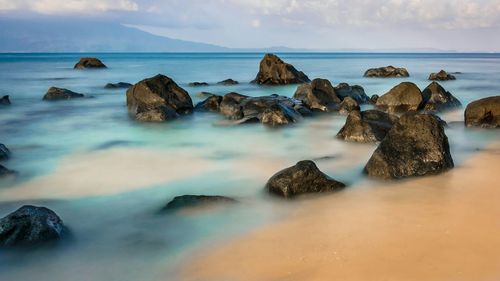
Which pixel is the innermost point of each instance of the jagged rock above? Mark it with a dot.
(89, 63)
(4, 152)
(483, 113)
(415, 146)
(356, 92)
(198, 84)
(366, 126)
(230, 106)
(191, 201)
(55, 93)
(348, 105)
(402, 98)
(119, 85)
(158, 97)
(212, 103)
(274, 71)
(302, 178)
(5, 100)
(278, 115)
(388, 71)
(374, 99)
(228, 82)
(436, 98)
(441, 76)
(318, 95)
(30, 225)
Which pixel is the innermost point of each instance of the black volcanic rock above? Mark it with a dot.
(483, 113)
(5, 100)
(415, 146)
(274, 71)
(302, 178)
(356, 92)
(55, 93)
(30, 225)
(386, 72)
(89, 63)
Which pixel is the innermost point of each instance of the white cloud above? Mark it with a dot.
(69, 6)
(256, 23)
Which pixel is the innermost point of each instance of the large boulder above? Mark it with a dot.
(348, 105)
(5, 100)
(404, 97)
(388, 71)
(159, 114)
(160, 95)
(119, 85)
(228, 82)
(55, 93)
(436, 98)
(356, 92)
(441, 76)
(318, 95)
(302, 178)
(415, 146)
(191, 201)
(30, 225)
(230, 106)
(89, 63)
(212, 103)
(4, 172)
(366, 126)
(483, 113)
(279, 114)
(4, 152)
(274, 71)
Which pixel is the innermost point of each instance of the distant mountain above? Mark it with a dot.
(85, 36)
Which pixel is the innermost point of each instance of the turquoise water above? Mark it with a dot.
(107, 176)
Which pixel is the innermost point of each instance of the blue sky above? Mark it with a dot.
(319, 24)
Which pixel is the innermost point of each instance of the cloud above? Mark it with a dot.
(69, 6)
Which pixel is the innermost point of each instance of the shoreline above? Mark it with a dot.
(441, 227)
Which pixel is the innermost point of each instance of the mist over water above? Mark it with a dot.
(107, 175)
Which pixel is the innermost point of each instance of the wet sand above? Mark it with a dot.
(444, 227)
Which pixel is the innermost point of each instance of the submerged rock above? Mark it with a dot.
(198, 84)
(212, 103)
(441, 76)
(436, 98)
(4, 152)
(348, 105)
(30, 225)
(388, 71)
(356, 92)
(483, 113)
(366, 126)
(119, 85)
(190, 201)
(228, 82)
(302, 178)
(55, 93)
(402, 98)
(318, 95)
(274, 71)
(89, 63)
(5, 100)
(158, 97)
(415, 146)
(4, 172)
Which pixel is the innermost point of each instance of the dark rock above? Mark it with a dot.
(348, 105)
(4, 152)
(198, 84)
(4, 172)
(228, 82)
(483, 113)
(319, 95)
(5, 100)
(230, 106)
(374, 99)
(204, 94)
(356, 92)
(415, 146)
(31, 225)
(388, 71)
(436, 98)
(119, 85)
(366, 126)
(441, 76)
(304, 177)
(404, 97)
(55, 93)
(278, 115)
(274, 71)
(190, 201)
(160, 96)
(89, 63)
(212, 103)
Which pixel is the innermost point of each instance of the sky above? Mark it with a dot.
(460, 25)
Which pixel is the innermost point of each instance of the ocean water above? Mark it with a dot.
(107, 175)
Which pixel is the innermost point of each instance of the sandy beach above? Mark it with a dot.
(443, 227)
